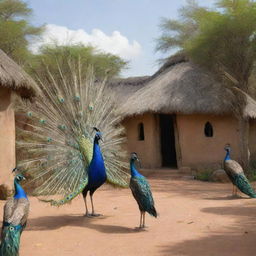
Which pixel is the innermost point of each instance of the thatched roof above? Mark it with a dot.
(14, 77)
(183, 87)
(124, 88)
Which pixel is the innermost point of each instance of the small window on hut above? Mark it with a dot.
(208, 130)
(141, 131)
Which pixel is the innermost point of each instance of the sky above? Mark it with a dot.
(127, 28)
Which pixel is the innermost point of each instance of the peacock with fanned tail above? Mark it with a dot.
(236, 175)
(57, 143)
(16, 211)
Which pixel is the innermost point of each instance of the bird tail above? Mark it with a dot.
(153, 211)
(10, 240)
(68, 198)
(55, 135)
(244, 186)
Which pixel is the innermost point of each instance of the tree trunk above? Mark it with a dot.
(244, 146)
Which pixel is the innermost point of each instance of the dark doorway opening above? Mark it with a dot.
(168, 141)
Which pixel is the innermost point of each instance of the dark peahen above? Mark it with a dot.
(57, 144)
(141, 191)
(236, 175)
(15, 217)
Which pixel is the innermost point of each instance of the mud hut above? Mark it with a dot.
(14, 82)
(181, 116)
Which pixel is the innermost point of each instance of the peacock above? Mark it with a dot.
(96, 173)
(58, 137)
(236, 174)
(16, 211)
(141, 191)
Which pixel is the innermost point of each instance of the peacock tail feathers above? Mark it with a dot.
(243, 185)
(10, 240)
(68, 198)
(55, 134)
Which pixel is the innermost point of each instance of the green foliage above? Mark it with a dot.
(104, 64)
(15, 29)
(222, 39)
(204, 175)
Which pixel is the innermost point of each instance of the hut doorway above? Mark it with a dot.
(167, 140)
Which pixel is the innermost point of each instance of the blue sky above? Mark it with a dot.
(124, 27)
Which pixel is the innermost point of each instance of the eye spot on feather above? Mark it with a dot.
(77, 98)
(61, 100)
(62, 127)
(42, 121)
(29, 114)
(49, 139)
(90, 107)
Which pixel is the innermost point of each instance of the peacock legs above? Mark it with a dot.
(87, 214)
(93, 212)
(235, 191)
(142, 220)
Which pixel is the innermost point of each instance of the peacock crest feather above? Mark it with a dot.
(55, 134)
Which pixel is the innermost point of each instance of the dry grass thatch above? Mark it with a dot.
(14, 77)
(124, 88)
(183, 87)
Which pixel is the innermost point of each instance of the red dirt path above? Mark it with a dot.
(196, 218)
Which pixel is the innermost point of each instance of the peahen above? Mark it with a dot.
(141, 191)
(236, 174)
(15, 217)
(57, 146)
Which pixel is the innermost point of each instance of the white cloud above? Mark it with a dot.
(115, 43)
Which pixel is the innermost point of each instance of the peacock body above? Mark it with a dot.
(15, 217)
(236, 175)
(141, 192)
(57, 144)
(96, 173)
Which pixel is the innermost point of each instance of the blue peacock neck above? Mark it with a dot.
(133, 169)
(96, 148)
(19, 191)
(227, 157)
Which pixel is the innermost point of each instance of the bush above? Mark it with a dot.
(204, 175)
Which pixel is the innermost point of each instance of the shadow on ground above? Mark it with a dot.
(238, 239)
(56, 222)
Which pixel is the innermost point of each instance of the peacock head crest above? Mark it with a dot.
(98, 135)
(227, 147)
(18, 177)
(134, 157)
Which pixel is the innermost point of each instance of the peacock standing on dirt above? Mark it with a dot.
(16, 211)
(57, 144)
(141, 191)
(236, 175)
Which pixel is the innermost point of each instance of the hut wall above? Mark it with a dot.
(147, 149)
(7, 136)
(198, 150)
(252, 139)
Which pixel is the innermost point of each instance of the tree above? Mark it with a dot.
(222, 40)
(15, 29)
(104, 64)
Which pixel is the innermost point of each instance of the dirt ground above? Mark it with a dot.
(196, 218)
